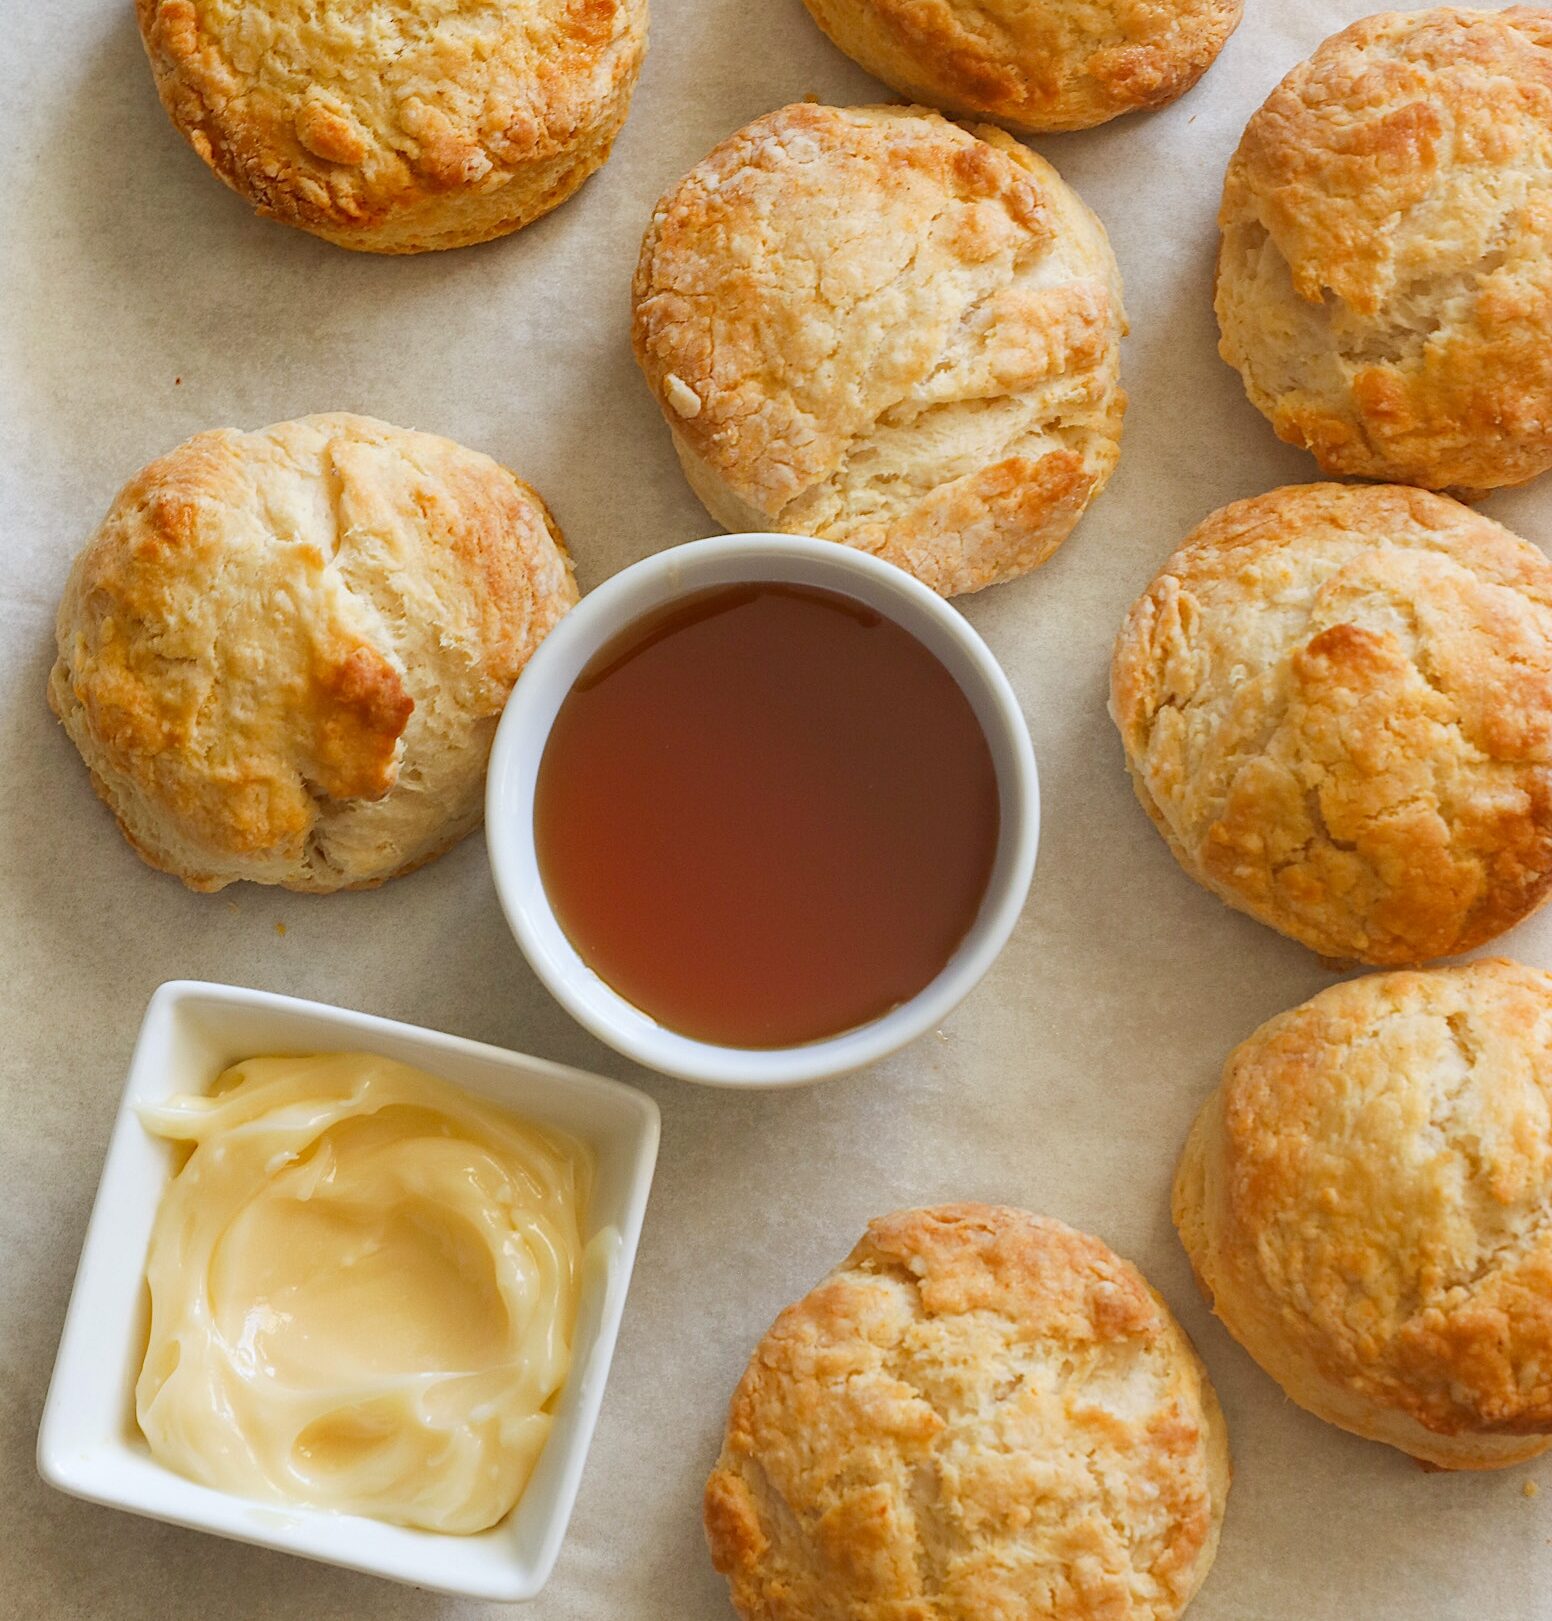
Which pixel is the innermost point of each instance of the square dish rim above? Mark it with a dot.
(100, 1461)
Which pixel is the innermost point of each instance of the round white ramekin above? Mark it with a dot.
(600, 617)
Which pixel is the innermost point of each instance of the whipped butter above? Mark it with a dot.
(363, 1288)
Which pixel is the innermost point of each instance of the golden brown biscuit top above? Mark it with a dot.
(263, 618)
(1388, 221)
(338, 114)
(1060, 64)
(1439, 120)
(1337, 703)
(844, 309)
(1383, 1179)
(980, 1412)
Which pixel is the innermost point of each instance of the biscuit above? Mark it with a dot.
(1063, 64)
(1336, 705)
(1365, 1200)
(979, 1413)
(401, 126)
(878, 327)
(1385, 277)
(283, 654)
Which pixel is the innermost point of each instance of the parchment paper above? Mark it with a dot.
(141, 302)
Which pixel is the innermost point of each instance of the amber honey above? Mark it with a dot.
(766, 814)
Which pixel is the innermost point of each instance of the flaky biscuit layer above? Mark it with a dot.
(1385, 279)
(979, 1412)
(1336, 705)
(398, 127)
(876, 326)
(1062, 64)
(1366, 1201)
(283, 654)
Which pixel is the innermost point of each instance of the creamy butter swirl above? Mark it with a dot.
(363, 1289)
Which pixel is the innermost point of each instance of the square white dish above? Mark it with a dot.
(88, 1443)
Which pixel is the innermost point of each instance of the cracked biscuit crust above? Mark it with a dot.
(980, 1412)
(1385, 278)
(1336, 705)
(283, 654)
(875, 326)
(1060, 64)
(401, 126)
(1367, 1201)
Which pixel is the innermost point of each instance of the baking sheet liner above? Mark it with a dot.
(141, 302)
